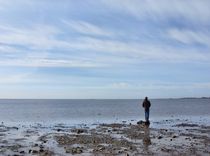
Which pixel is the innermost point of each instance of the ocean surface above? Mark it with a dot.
(101, 111)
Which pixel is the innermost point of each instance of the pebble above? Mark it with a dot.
(34, 151)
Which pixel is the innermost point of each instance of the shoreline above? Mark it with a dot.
(180, 138)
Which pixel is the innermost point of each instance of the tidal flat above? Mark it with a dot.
(183, 138)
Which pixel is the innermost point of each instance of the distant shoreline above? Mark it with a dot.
(107, 99)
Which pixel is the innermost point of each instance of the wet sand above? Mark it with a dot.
(105, 139)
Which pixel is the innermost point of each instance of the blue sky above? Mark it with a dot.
(104, 48)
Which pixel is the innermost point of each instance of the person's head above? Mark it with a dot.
(146, 98)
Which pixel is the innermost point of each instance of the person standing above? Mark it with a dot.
(146, 104)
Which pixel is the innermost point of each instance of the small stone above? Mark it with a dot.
(120, 152)
(22, 152)
(101, 148)
(160, 137)
(41, 146)
(34, 151)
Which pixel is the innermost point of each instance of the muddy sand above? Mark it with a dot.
(105, 139)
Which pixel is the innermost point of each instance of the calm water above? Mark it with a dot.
(98, 111)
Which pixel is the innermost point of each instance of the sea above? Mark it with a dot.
(92, 111)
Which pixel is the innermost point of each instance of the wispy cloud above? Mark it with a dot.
(190, 37)
(35, 37)
(13, 79)
(142, 52)
(87, 28)
(36, 62)
(111, 45)
(41, 39)
(120, 85)
(191, 10)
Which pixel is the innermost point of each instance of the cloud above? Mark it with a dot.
(189, 36)
(192, 10)
(35, 62)
(93, 40)
(122, 85)
(87, 28)
(141, 52)
(13, 79)
(35, 37)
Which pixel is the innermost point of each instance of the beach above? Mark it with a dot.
(104, 127)
(105, 139)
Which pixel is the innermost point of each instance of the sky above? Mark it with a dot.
(104, 49)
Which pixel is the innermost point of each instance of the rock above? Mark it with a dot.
(160, 137)
(35, 145)
(77, 150)
(100, 148)
(114, 130)
(74, 150)
(120, 152)
(41, 146)
(15, 128)
(68, 150)
(140, 122)
(22, 152)
(79, 131)
(35, 152)
(146, 123)
(41, 150)
(174, 136)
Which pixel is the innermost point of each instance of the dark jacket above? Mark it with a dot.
(146, 104)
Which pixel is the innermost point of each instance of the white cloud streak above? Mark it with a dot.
(142, 52)
(192, 10)
(87, 28)
(41, 38)
(37, 37)
(34, 62)
(189, 36)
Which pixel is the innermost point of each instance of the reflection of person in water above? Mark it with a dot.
(146, 139)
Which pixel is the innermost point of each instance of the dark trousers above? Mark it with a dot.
(147, 115)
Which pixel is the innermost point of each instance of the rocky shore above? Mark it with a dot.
(105, 139)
